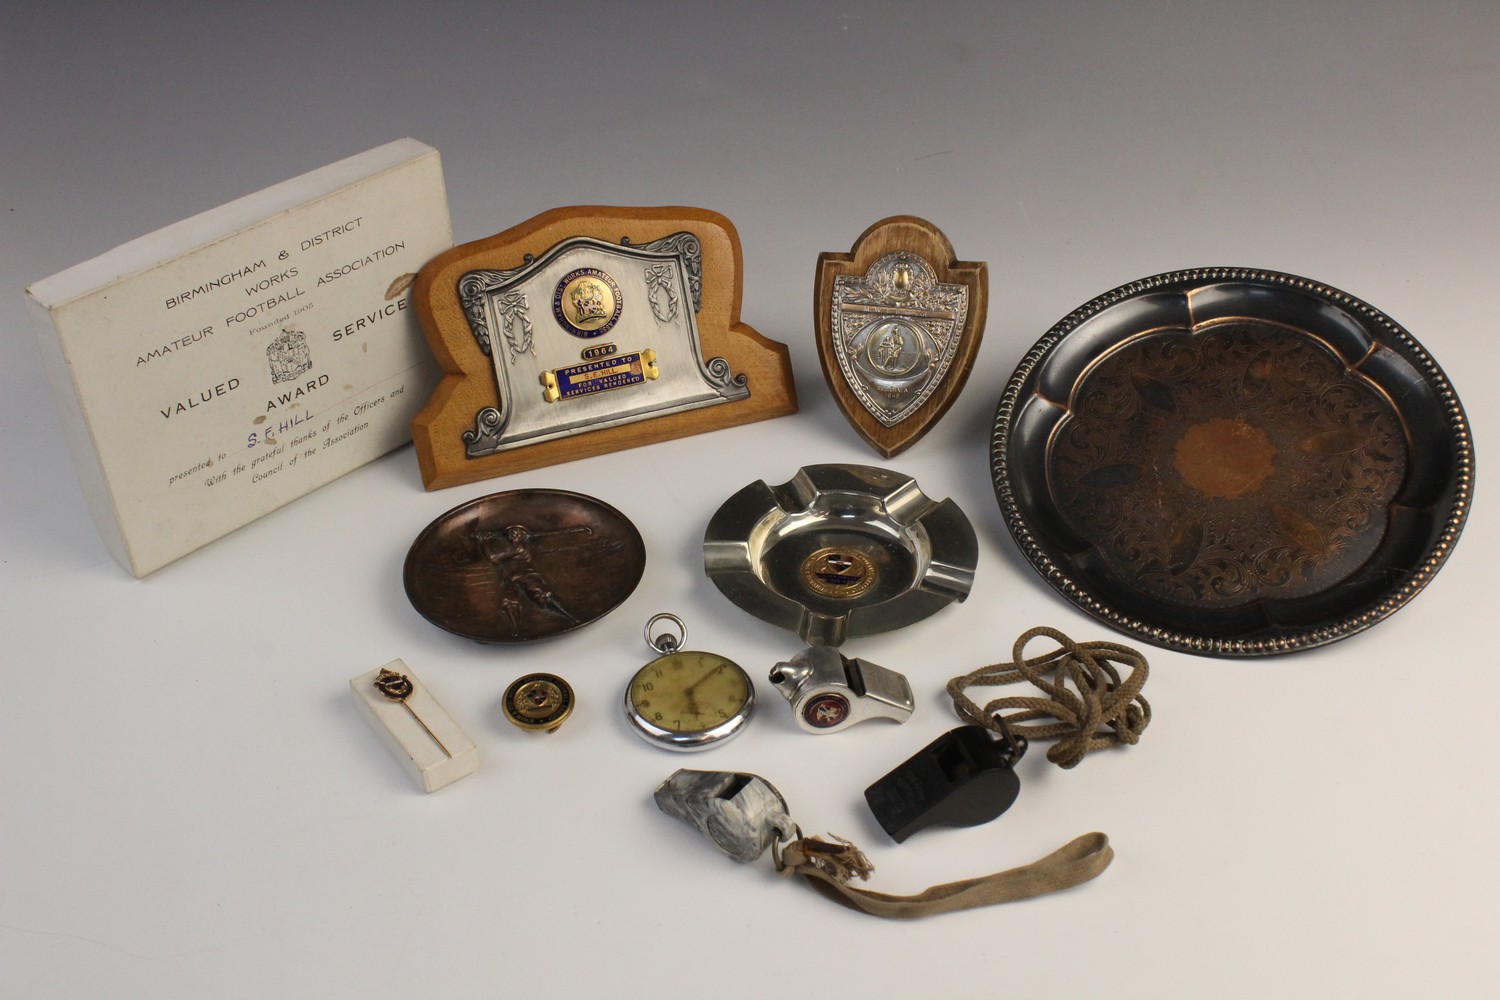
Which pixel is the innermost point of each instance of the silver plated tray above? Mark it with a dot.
(1232, 462)
(840, 551)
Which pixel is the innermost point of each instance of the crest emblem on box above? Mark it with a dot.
(288, 355)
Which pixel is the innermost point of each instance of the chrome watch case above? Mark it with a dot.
(687, 700)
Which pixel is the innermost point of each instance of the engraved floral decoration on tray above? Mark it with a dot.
(1242, 462)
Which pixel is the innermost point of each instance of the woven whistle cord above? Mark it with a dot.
(1099, 709)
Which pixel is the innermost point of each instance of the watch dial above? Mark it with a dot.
(689, 691)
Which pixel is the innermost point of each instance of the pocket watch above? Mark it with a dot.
(687, 699)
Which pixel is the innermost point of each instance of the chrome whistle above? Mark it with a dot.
(829, 691)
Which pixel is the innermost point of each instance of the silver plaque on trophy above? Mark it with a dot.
(591, 335)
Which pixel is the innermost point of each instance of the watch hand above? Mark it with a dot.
(689, 689)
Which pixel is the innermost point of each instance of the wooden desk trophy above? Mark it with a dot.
(899, 320)
(585, 331)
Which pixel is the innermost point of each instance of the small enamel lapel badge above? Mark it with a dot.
(899, 321)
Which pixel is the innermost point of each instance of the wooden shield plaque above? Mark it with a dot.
(585, 331)
(898, 321)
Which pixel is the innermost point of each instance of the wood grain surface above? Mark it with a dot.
(469, 385)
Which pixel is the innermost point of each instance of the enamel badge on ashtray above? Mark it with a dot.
(898, 321)
(585, 331)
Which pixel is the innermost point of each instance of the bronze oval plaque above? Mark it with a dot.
(523, 564)
(1232, 462)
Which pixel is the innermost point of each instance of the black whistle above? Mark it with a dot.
(962, 778)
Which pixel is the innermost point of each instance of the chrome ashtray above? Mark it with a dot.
(840, 551)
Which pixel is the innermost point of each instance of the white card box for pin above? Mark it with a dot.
(230, 363)
(420, 734)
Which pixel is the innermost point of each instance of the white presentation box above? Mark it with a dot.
(214, 370)
(418, 732)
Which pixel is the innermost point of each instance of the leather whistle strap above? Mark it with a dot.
(1075, 862)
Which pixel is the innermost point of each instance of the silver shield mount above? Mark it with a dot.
(591, 335)
(895, 333)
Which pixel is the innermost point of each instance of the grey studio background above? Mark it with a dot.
(189, 804)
